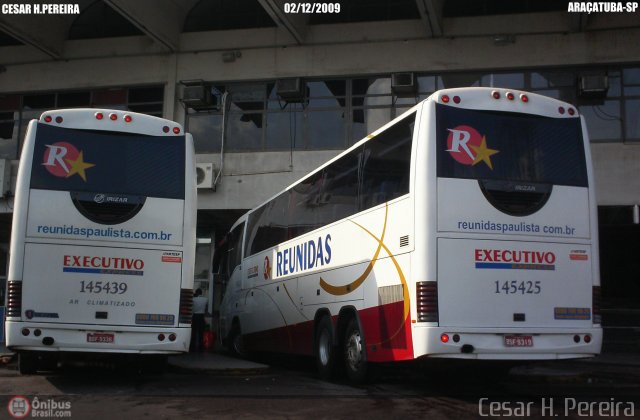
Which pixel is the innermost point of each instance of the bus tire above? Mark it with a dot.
(27, 363)
(355, 353)
(236, 341)
(325, 351)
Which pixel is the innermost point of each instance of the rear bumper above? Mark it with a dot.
(73, 338)
(489, 343)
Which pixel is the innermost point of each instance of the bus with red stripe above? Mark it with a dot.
(465, 228)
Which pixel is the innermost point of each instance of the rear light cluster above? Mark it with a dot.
(571, 111)
(427, 301)
(445, 99)
(186, 306)
(172, 337)
(577, 338)
(14, 298)
(510, 96)
(100, 115)
(597, 297)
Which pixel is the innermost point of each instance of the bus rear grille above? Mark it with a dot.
(427, 301)
(107, 213)
(404, 240)
(14, 298)
(505, 196)
(186, 306)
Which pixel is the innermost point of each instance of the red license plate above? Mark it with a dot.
(518, 341)
(100, 338)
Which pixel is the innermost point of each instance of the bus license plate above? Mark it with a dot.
(100, 338)
(518, 341)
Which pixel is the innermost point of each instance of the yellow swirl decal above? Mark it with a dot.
(343, 290)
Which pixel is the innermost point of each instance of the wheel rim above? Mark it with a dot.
(324, 347)
(237, 344)
(354, 350)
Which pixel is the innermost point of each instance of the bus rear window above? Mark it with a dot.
(493, 145)
(106, 162)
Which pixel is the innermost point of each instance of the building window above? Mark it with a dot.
(336, 113)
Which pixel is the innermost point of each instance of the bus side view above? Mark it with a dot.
(465, 228)
(103, 238)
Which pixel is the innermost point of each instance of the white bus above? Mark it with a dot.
(103, 238)
(465, 228)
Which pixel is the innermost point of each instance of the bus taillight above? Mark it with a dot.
(47, 118)
(427, 301)
(128, 118)
(510, 96)
(597, 297)
(524, 98)
(176, 130)
(113, 116)
(445, 99)
(99, 115)
(186, 306)
(14, 298)
(495, 94)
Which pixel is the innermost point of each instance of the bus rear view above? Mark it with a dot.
(512, 235)
(103, 237)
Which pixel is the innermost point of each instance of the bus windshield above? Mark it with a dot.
(504, 146)
(107, 162)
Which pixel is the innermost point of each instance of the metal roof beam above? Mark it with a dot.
(161, 20)
(431, 15)
(294, 23)
(578, 22)
(47, 33)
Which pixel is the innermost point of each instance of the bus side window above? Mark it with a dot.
(234, 253)
(386, 161)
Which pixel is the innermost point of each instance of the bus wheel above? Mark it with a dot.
(236, 342)
(355, 355)
(324, 349)
(28, 363)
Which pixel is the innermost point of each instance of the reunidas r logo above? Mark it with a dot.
(468, 147)
(63, 160)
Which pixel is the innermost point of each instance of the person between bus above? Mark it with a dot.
(199, 310)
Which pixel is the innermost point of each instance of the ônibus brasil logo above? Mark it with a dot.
(19, 407)
(469, 147)
(63, 160)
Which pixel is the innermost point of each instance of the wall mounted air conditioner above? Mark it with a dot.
(403, 83)
(593, 85)
(5, 176)
(291, 90)
(205, 175)
(199, 97)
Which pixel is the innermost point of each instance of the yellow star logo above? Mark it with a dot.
(483, 153)
(78, 166)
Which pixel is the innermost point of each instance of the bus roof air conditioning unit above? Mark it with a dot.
(204, 175)
(403, 83)
(291, 90)
(199, 97)
(593, 85)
